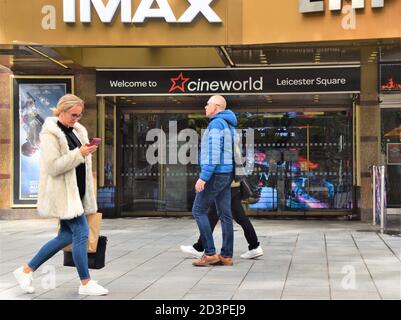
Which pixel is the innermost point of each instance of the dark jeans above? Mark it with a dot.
(239, 216)
(218, 191)
(75, 231)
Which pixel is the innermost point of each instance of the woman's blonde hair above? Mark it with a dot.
(67, 102)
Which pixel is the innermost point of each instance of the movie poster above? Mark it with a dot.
(34, 100)
(393, 153)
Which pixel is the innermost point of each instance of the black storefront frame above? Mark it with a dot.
(350, 213)
(225, 81)
(354, 90)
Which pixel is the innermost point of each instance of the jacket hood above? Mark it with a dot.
(227, 115)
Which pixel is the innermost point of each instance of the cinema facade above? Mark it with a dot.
(319, 82)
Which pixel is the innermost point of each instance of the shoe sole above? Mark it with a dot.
(206, 265)
(92, 294)
(210, 264)
(219, 263)
(254, 257)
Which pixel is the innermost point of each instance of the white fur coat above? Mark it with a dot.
(58, 190)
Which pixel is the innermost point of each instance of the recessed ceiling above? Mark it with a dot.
(35, 59)
(236, 102)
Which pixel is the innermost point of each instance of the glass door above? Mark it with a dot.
(303, 161)
(141, 182)
(391, 154)
(164, 186)
(107, 181)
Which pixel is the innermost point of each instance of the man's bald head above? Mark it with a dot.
(219, 101)
(214, 105)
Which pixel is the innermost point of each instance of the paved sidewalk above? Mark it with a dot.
(312, 259)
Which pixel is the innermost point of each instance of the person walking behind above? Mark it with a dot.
(238, 213)
(213, 185)
(66, 191)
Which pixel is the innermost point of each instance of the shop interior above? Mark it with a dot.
(303, 153)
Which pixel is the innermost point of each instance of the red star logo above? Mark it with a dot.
(179, 79)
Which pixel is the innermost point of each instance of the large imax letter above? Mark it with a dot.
(334, 5)
(145, 11)
(377, 3)
(356, 4)
(306, 6)
(69, 11)
(199, 6)
(105, 13)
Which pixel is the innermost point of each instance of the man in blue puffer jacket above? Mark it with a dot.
(214, 182)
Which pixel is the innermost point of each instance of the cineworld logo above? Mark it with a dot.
(147, 9)
(185, 85)
(306, 6)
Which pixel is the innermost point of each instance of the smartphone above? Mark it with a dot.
(94, 142)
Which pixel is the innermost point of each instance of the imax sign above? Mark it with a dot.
(146, 9)
(306, 6)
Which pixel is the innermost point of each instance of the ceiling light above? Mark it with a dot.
(269, 99)
(227, 56)
(4, 67)
(47, 57)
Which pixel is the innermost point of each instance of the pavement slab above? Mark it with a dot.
(303, 260)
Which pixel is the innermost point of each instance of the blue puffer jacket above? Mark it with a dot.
(216, 145)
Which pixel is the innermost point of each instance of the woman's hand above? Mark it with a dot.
(87, 150)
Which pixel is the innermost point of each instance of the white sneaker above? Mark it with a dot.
(252, 254)
(190, 250)
(24, 280)
(92, 289)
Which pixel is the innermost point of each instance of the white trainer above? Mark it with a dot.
(252, 254)
(191, 251)
(24, 280)
(92, 289)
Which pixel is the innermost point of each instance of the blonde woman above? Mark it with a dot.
(66, 191)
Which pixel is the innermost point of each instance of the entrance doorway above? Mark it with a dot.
(303, 161)
(391, 155)
(160, 187)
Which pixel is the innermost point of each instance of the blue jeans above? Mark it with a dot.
(217, 190)
(75, 231)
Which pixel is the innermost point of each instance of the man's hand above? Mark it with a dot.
(200, 185)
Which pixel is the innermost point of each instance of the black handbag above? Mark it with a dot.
(245, 188)
(249, 193)
(96, 260)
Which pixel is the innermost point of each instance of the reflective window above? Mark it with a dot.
(303, 161)
(391, 153)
